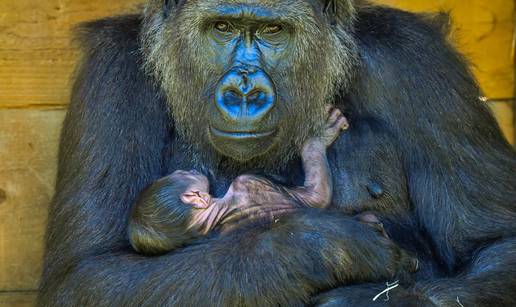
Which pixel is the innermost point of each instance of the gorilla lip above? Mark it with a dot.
(240, 135)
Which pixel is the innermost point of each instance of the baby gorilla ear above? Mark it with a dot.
(197, 199)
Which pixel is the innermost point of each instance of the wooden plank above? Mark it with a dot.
(28, 139)
(503, 110)
(470, 11)
(483, 31)
(37, 56)
(489, 48)
(35, 25)
(36, 77)
(18, 299)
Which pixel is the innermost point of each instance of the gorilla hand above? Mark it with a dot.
(366, 295)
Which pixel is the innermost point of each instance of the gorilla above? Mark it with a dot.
(232, 87)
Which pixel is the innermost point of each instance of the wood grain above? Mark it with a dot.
(483, 31)
(463, 11)
(18, 299)
(37, 55)
(28, 142)
(503, 110)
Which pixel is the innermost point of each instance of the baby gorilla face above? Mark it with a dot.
(197, 191)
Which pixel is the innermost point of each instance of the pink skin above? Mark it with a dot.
(317, 190)
(252, 198)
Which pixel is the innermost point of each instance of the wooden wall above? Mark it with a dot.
(37, 59)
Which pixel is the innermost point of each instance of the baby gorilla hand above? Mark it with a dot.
(407, 263)
(335, 123)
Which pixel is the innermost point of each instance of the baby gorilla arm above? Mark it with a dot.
(318, 186)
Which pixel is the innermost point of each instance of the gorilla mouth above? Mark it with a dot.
(241, 135)
(242, 145)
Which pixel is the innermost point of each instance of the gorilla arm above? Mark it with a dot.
(459, 168)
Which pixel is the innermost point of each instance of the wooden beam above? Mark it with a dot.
(37, 55)
(503, 111)
(18, 299)
(483, 32)
(28, 158)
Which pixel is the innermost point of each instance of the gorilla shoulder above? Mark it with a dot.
(110, 34)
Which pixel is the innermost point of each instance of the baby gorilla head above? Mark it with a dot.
(161, 220)
(195, 188)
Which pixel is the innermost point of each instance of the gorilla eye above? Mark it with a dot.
(272, 29)
(223, 26)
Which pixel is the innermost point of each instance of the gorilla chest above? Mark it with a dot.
(367, 174)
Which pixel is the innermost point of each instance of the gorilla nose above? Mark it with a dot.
(245, 95)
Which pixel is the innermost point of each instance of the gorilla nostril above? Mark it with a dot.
(232, 98)
(258, 98)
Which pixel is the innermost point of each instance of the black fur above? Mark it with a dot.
(418, 129)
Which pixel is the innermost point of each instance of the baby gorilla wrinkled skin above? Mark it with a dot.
(161, 225)
(253, 198)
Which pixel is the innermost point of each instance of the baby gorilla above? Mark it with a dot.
(181, 209)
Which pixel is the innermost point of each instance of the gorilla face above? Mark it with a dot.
(249, 79)
(244, 117)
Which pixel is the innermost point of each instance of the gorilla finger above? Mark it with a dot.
(335, 114)
(340, 123)
(408, 262)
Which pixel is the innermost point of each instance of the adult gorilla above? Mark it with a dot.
(232, 86)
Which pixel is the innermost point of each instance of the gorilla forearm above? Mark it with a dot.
(298, 257)
(486, 282)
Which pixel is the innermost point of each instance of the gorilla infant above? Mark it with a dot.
(170, 220)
